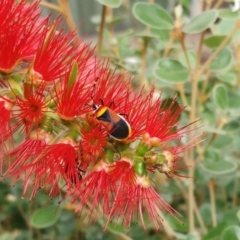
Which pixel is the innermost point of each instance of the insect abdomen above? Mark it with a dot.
(120, 130)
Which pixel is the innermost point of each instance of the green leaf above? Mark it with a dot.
(73, 75)
(227, 14)
(213, 164)
(192, 58)
(205, 210)
(229, 77)
(115, 228)
(223, 61)
(238, 215)
(218, 167)
(231, 126)
(231, 233)
(162, 34)
(220, 96)
(111, 3)
(224, 27)
(214, 233)
(179, 225)
(8, 236)
(171, 71)
(16, 87)
(147, 35)
(214, 41)
(234, 100)
(201, 22)
(45, 217)
(152, 15)
(185, 3)
(221, 141)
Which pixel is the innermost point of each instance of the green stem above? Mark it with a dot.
(144, 63)
(220, 47)
(213, 203)
(235, 192)
(191, 169)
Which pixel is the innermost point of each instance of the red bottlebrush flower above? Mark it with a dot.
(162, 120)
(133, 195)
(31, 109)
(19, 32)
(95, 189)
(4, 127)
(42, 166)
(55, 53)
(4, 117)
(92, 144)
(20, 163)
(72, 96)
(111, 87)
(170, 157)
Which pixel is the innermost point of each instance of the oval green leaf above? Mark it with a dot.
(232, 126)
(219, 167)
(111, 3)
(234, 100)
(171, 71)
(223, 61)
(201, 22)
(45, 217)
(192, 58)
(152, 15)
(232, 232)
(220, 96)
(238, 215)
(214, 41)
(227, 14)
(221, 141)
(162, 34)
(230, 77)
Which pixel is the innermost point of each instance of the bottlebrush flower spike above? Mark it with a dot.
(19, 163)
(19, 32)
(31, 109)
(55, 53)
(161, 120)
(111, 87)
(4, 127)
(42, 165)
(92, 143)
(72, 94)
(95, 189)
(134, 194)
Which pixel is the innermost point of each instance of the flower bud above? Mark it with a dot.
(144, 181)
(140, 168)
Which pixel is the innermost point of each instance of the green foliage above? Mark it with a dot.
(153, 16)
(201, 22)
(171, 71)
(158, 55)
(45, 217)
(220, 96)
(111, 3)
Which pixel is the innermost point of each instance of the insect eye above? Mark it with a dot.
(95, 106)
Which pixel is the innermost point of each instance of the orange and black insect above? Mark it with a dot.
(115, 124)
